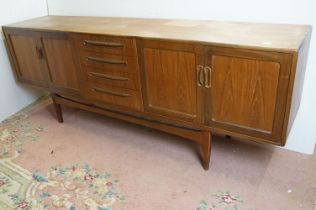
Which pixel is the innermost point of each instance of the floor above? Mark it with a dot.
(97, 163)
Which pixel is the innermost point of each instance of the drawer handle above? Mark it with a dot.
(102, 44)
(102, 90)
(108, 61)
(107, 76)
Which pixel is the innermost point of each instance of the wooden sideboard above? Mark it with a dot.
(188, 78)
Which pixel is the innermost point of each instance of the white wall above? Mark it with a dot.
(303, 134)
(13, 96)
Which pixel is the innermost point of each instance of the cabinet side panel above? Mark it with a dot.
(296, 85)
(244, 92)
(10, 51)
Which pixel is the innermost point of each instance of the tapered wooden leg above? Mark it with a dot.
(58, 110)
(206, 146)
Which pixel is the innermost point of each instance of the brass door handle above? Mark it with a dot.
(107, 76)
(200, 75)
(111, 92)
(208, 77)
(102, 44)
(107, 61)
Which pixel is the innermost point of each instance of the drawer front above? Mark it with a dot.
(113, 96)
(112, 78)
(108, 62)
(106, 44)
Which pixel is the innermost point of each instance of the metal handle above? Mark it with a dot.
(111, 92)
(107, 76)
(208, 77)
(200, 75)
(102, 44)
(107, 61)
(39, 51)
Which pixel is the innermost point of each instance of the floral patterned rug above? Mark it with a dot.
(223, 200)
(74, 187)
(41, 168)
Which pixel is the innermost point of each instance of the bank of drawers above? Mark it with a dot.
(110, 65)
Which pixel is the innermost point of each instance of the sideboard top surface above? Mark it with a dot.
(280, 37)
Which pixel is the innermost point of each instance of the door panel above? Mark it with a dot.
(170, 76)
(27, 56)
(60, 61)
(248, 92)
(244, 92)
(170, 81)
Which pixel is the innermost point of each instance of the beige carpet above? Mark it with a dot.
(97, 163)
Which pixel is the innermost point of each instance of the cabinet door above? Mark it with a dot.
(247, 93)
(26, 56)
(61, 66)
(169, 79)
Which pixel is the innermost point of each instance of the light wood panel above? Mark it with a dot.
(281, 37)
(60, 61)
(244, 92)
(296, 85)
(27, 55)
(171, 82)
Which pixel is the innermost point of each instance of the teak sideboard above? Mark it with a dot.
(188, 78)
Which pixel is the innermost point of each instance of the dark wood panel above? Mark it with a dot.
(171, 82)
(244, 92)
(116, 79)
(109, 63)
(260, 110)
(110, 95)
(28, 57)
(60, 61)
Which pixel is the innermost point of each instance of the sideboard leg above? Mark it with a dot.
(58, 110)
(206, 146)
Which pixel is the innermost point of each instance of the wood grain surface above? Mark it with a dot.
(171, 83)
(26, 52)
(281, 37)
(244, 92)
(60, 61)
